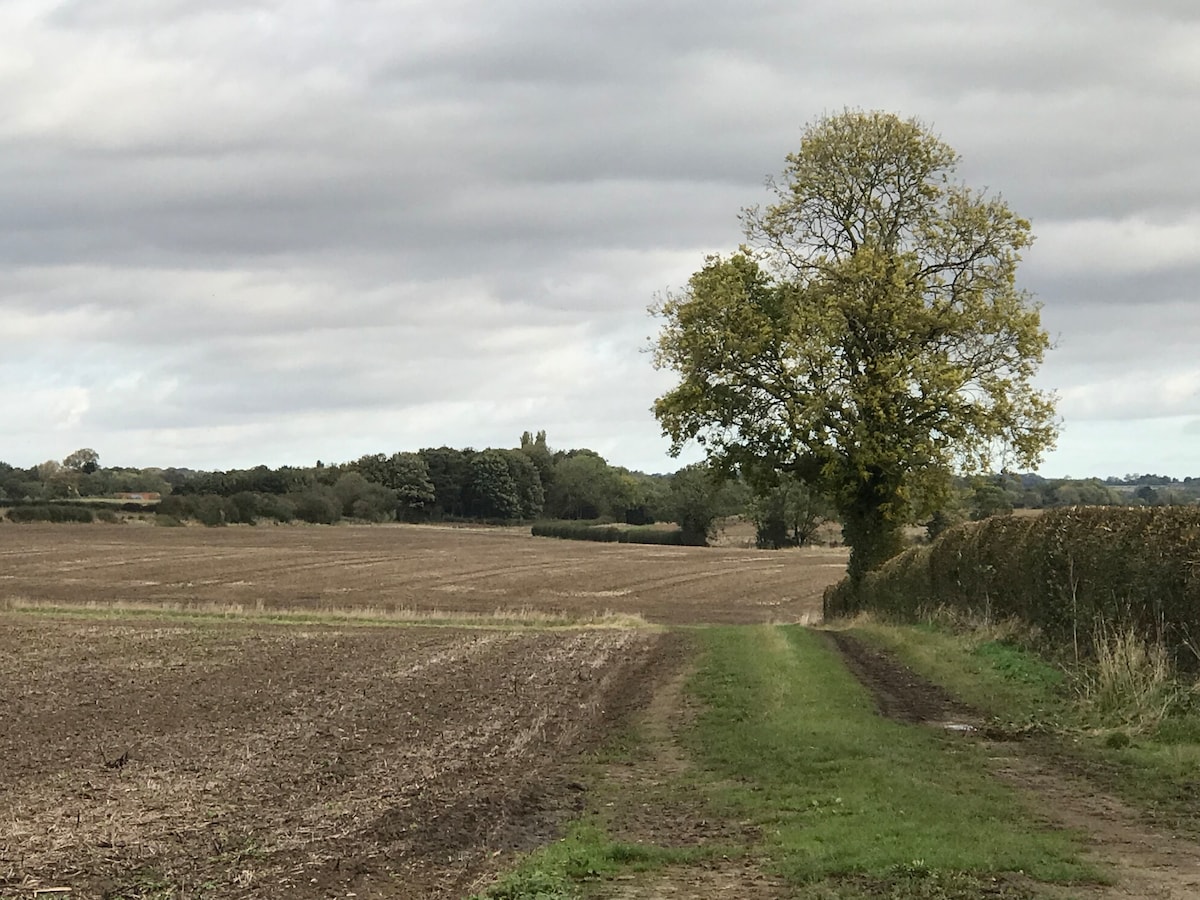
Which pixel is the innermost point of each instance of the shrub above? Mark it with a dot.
(273, 506)
(176, 506)
(214, 511)
(320, 506)
(108, 517)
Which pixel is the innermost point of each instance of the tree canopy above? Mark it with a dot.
(869, 337)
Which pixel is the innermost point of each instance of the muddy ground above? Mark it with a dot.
(137, 759)
(408, 567)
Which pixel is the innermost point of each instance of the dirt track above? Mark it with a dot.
(294, 762)
(409, 567)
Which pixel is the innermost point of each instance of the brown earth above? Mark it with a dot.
(1144, 861)
(235, 760)
(408, 568)
(147, 757)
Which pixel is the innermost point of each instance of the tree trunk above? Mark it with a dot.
(869, 526)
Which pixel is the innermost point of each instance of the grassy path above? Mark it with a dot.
(804, 791)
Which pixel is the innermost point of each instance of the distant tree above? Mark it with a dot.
(363, 499)
(248, 506)
(318, 505)
(528, 483)
(989, 499)
(1148, 495)
(787, 514)
(406, 474)
(85, 460)
(539, 453)
(415, 495)
(586, 487)
(215, 511)
(449, 473)
(491, 490)
(57, 482)
(692, 492)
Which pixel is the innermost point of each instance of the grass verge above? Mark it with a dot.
(1120, 736)
(848, 805)
(560, 870)
(848, 801)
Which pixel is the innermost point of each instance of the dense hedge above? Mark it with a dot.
(50, 513)
(84, 503)
(1064, 571)
(612, 534)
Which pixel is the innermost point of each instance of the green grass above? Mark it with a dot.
(842, 793)
(561, 870)
(996, 675)
(1152, 768)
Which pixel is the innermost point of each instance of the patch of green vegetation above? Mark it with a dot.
(624, 745)
(916, 882)
(840, 792)
(560, 870)
(144, 885)
(1150, 766)
(996, 675)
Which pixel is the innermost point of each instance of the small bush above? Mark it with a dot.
(165, 521)
(108, 517)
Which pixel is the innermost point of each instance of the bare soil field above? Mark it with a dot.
(220, 759)
(391, 568)
(160, 758)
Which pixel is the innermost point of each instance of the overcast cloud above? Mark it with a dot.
(269, 231)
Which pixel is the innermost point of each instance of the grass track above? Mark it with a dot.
(1155, 770)
(849, 804)
(841, 791)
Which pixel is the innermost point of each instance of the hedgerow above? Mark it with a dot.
(1066, 572)
(613, 534)
(50, 513)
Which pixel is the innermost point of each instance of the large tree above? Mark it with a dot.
(869, 337)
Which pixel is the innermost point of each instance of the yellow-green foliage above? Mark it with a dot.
(1064, 572)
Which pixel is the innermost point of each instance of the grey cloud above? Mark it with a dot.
(281, 219)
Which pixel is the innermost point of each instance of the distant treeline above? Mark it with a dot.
(532, 482)
(525, 483)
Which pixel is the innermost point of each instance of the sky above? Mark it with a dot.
(277, 231)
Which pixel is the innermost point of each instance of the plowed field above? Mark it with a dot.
(406, 567)
(153, 760)
(168, 758)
